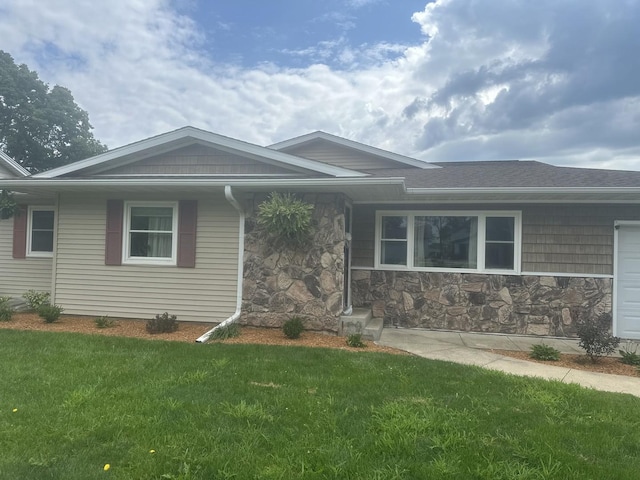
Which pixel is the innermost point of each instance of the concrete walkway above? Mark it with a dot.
(471, 349)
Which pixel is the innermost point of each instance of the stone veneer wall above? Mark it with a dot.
(536, 305)
(280, 282)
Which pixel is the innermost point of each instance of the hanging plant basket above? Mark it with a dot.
(8, 205)
(286, 217)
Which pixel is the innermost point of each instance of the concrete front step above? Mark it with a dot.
(360, 321)
(373, 330)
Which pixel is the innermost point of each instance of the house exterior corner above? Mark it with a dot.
(282, 281)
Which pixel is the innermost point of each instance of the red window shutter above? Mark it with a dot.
(113, 237)
(187, 223)
(20, 232)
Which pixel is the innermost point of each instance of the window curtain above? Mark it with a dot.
(420, 240)
(473, 242)
(159, 243)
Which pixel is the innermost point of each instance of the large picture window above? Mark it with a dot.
(448, 241)
(150, 233)
(40, 232)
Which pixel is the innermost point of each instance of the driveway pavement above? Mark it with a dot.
(471, 349)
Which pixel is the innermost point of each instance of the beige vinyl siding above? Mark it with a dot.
(555, 238)
(197, 159)
(85, 285)
(340, 156)
(21, 274)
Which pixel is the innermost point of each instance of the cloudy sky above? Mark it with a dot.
(552, 80)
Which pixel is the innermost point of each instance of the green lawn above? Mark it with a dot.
(238, 411)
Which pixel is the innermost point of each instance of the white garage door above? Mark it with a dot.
(627, 301)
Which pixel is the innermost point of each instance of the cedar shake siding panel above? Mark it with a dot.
(197, 159)
(17, 275)
(555, 238)
(572, 238)
(363, 236)
(86, 286)
(340, 156)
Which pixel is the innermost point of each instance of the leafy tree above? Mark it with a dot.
(41, 128)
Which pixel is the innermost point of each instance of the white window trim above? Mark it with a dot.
(37, 208)
(129, 260)
(481, 214)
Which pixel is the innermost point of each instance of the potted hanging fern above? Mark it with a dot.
(284, 216)
(8, 205)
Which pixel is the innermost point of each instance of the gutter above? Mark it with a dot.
(519, 190)
(198, 182)
(228, 194)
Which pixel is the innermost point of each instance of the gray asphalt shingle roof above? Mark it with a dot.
(512, 173)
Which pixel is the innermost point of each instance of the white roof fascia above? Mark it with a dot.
(354, 145)
(203, 136)
(206, 182)
(12, 165)
(516, 190)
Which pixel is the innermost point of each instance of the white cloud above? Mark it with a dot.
(492, 80)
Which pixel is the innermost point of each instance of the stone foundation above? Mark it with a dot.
(534, 305)
(281, 282)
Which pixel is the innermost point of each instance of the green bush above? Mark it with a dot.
(293, 327)
(49, 313)
(629, 354)
(164, 323)
(104, 322)
(6, 310)
(545, 352)
(284, 216)
(595, 336)
(36, 299)
(355, 340)
(228, 331)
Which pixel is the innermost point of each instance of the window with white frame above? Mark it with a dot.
(40, 232)
(448, 241)
(150, 233)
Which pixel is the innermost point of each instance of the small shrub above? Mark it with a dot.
(164, 323)
(228, 331)
(49, 313)
(629, 354)
(36, 299)
(355, 340)
(545, 352)
(6, 310)
(104, 322)
(293, 327)
(595, 336)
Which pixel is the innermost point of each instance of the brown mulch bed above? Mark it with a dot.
(610, 365)
(187, 332)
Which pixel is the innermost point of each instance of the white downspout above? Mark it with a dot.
(228, 194)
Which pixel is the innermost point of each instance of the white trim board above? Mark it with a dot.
(344, 142)
(521, 274)
(187, 135)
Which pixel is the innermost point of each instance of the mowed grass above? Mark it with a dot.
(164, 410)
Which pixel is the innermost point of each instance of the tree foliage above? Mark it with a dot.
(41, 128)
